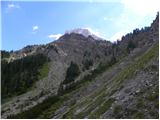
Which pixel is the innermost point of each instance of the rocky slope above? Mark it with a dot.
(116, 80)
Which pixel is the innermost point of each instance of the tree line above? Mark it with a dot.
(19, 75)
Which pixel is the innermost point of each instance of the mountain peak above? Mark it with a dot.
(83, 31)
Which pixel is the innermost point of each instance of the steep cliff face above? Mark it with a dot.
(113, 81)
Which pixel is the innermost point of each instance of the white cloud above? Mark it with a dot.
(142, 7)
(55, 36)
(134, 15)
(117, 36)
(95, 32)
(35, 28)
(99, 33)
(136, 12)
(11, 7)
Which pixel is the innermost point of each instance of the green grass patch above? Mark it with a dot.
(139, 64)
(48, 113)
(92, 105)
(140, 103)
(43, 71)
(117, 109)
(153, 97)
(69, 114)
(139, 115)
(102, 109)
(89, 105)
(130, 112)
(37, 110)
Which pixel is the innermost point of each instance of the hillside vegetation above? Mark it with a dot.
(22, 74)
(82, 77)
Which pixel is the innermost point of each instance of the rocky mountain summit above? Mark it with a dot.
(83, 31)
(82, 76)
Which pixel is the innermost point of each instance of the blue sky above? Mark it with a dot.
(39, 22)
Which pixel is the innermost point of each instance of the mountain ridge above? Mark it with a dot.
(106, 71)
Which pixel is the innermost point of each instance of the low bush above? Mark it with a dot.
(37, 110)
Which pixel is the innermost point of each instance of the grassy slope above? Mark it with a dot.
(127, 73)
(43, 71)
(96, 103)
(115, 85)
